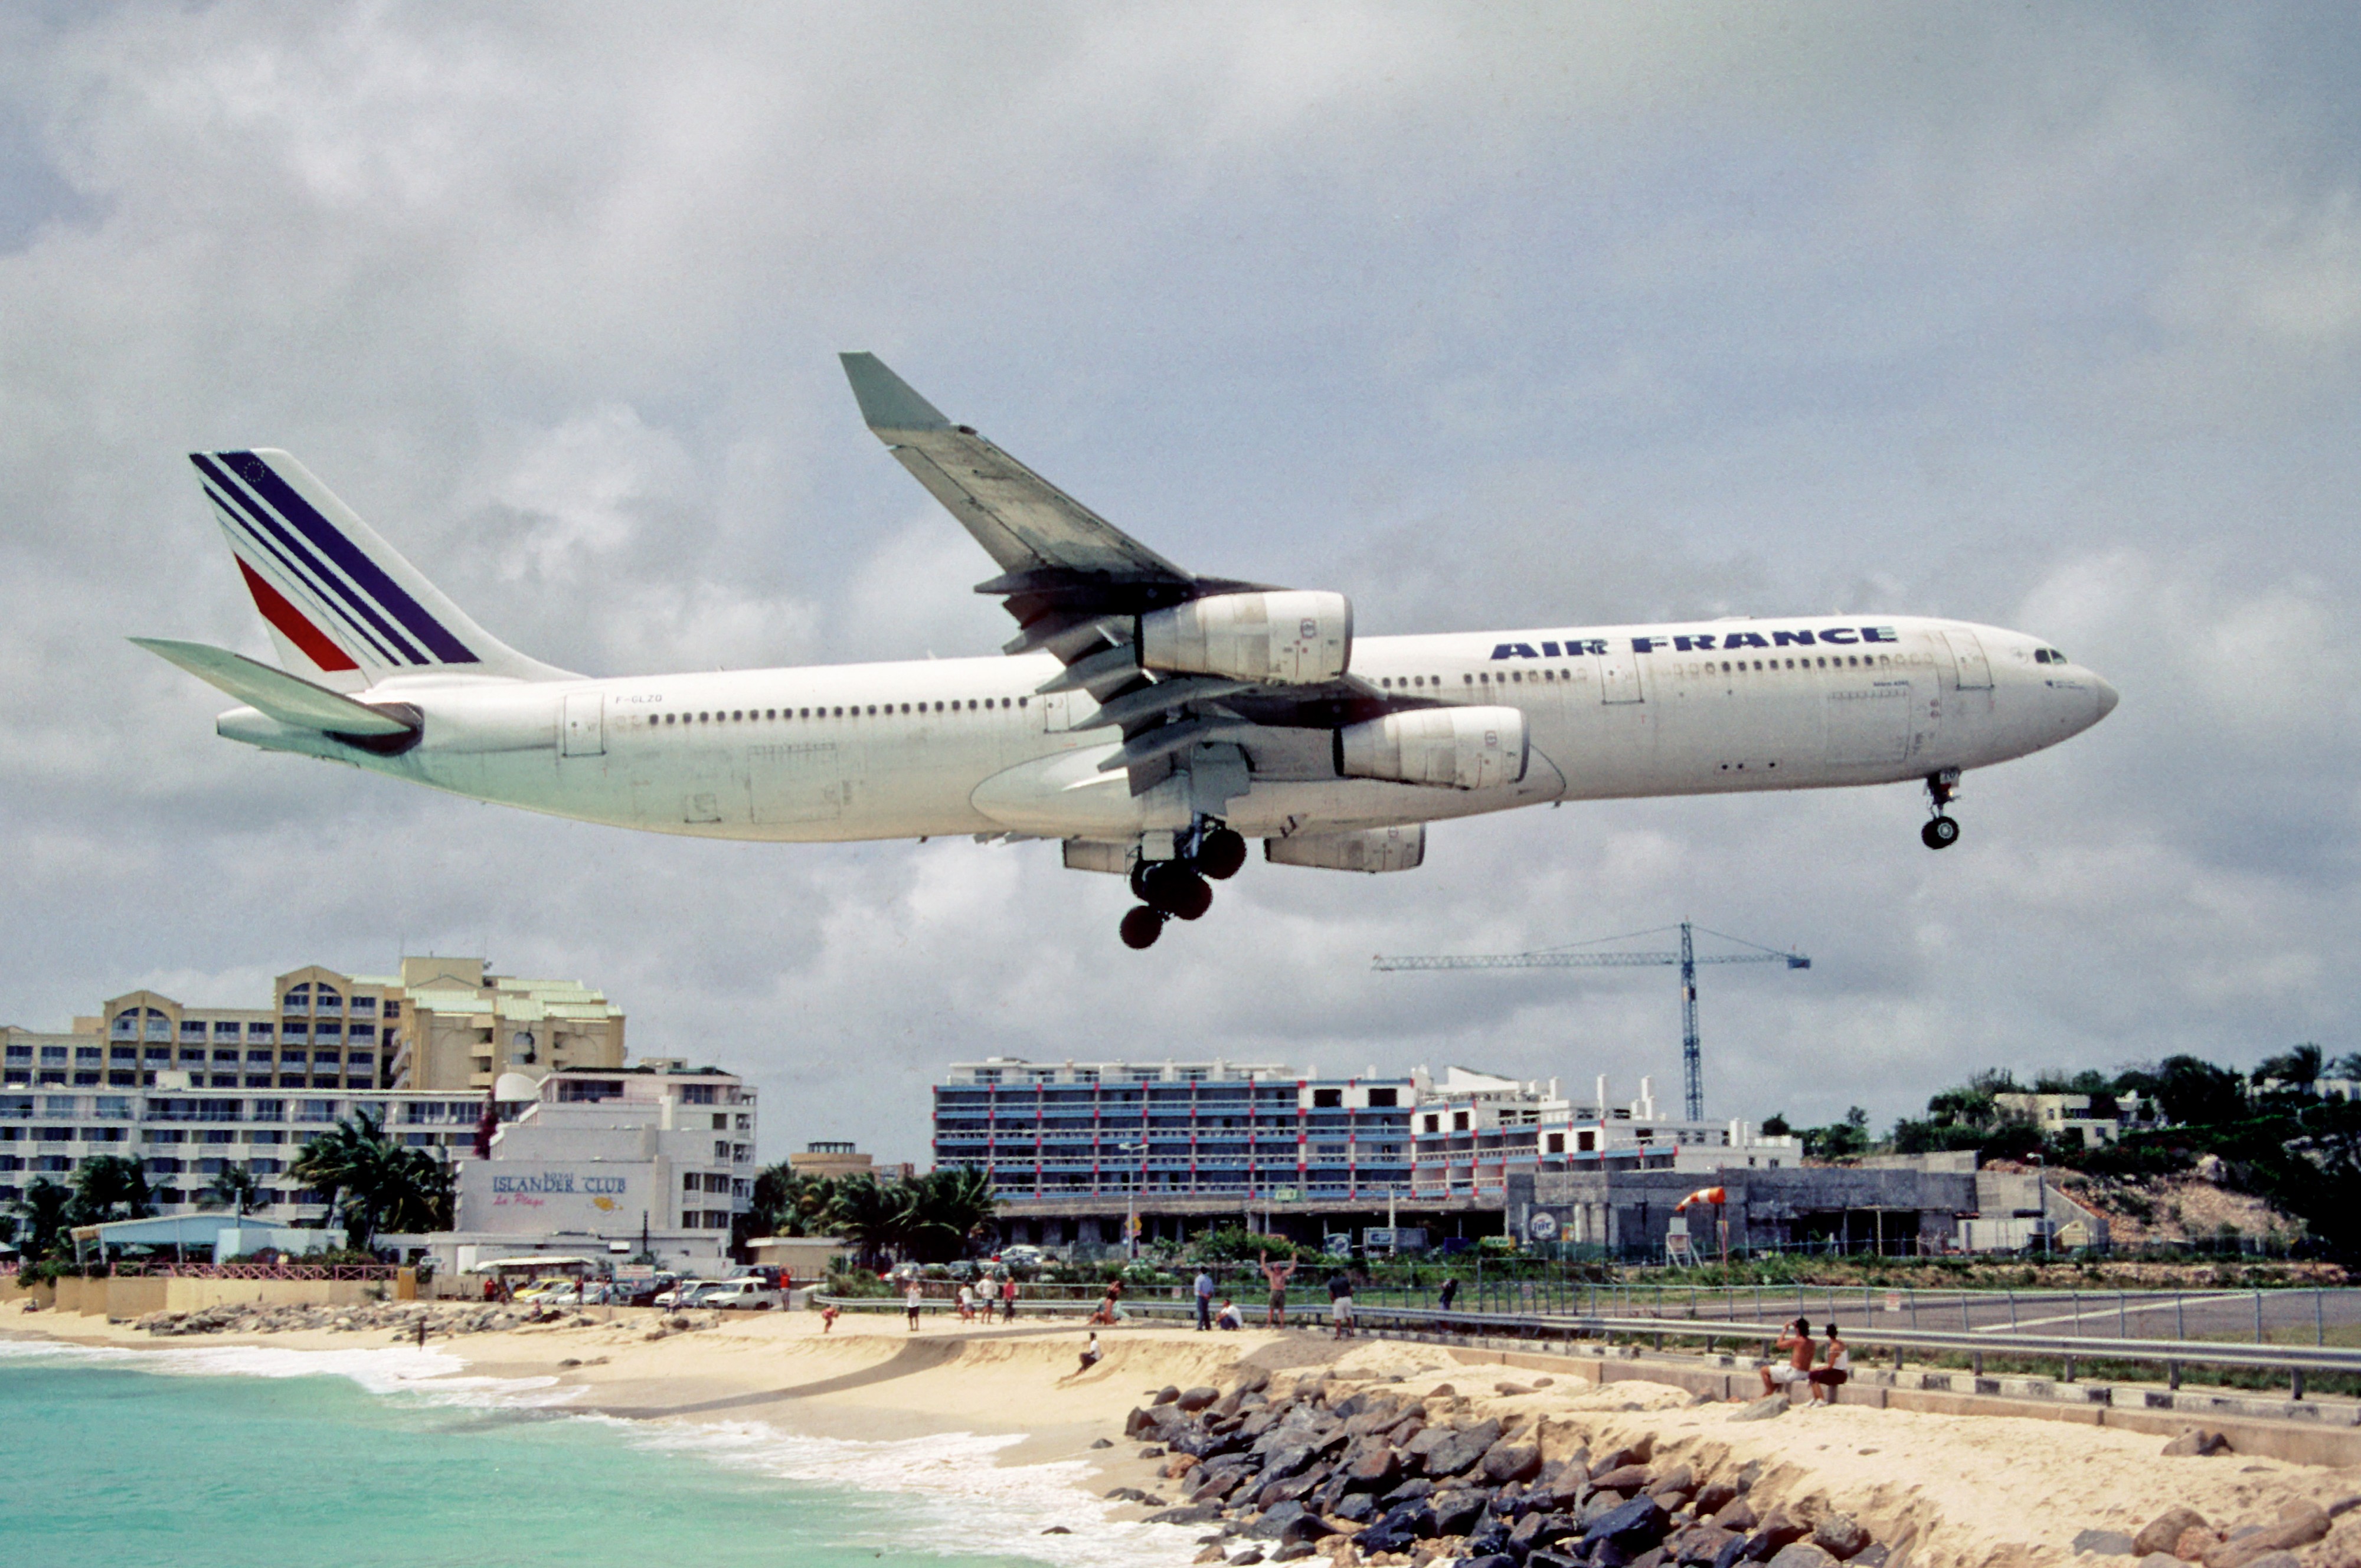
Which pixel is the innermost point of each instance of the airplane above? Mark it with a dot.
(1151, 719)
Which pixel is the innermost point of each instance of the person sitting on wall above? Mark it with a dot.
(1797, 1342)
(1229, 1317)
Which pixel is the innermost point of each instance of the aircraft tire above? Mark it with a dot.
(1222, 853)
(1940, 833)
(1190, 897)
(1141, 926)
(1139, 870)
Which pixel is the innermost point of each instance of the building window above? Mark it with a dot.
(1459, 1121)
(392, 1010)
(297, 1000)
(364, 1007)
(1327, 1099)
(1383, 1098)
(225, 1031)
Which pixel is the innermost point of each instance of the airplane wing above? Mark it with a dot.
(291, 699)
(1075, 583)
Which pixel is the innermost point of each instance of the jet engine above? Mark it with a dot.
(1371, 850)
(1291, 638)
(1458, 748)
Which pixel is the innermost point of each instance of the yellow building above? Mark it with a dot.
(440, 1024)
(461, 1027)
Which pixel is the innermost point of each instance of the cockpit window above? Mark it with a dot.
(2048, 656)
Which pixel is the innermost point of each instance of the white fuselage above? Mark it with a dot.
(914, 750)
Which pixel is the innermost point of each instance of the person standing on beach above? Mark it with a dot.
(1008, 1299)
(1204, 1299)
(1340, 1304)
(1797, 1342)
(1450, 1294)
(966, 1302)
(1276, 1275)
(1834, 1371)
(828, 1319)
(914, 1298)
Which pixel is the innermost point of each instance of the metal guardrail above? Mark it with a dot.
(2293, 1361)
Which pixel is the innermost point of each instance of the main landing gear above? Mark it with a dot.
(1170, 890)
(1942, 788)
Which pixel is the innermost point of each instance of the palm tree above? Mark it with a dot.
(791, 1202)
(874, 1216)
(111, 1182)
(43, 1214)
(235, 1187)
(372, 1183)
(953, 1204)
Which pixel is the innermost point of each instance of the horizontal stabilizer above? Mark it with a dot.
(287, 699)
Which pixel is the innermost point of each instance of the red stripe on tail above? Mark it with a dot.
(292, 625)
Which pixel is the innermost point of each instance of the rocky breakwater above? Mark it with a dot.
(1323, 1467)
(403, 1318)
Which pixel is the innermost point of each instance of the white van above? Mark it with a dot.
(748, 1295)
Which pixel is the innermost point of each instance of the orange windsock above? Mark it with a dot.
(1713, 1195)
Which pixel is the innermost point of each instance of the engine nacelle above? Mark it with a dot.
(1291, 638)
(1457, 748)
(1371, 850)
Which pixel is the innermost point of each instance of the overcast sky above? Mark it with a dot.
(2044, 316)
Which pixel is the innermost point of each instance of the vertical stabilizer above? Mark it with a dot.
(343, 606)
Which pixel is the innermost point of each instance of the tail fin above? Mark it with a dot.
(343, 607)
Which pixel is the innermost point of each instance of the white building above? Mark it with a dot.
(1470, 1130)
(608, 1162)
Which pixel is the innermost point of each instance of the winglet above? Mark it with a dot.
(887, 401)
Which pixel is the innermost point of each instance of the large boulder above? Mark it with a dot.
(1400, 1526)
(1371, 1466)
(2162, 1532)
(1289, 1521)
(1165, 1394)
(2197, 1442)
(1737, 1514)
(2304, 1524)
(1631, 1529)
(1624, 1478)
(1461, 1450)
(1697, 1543)
(1536, 1530)
(1802, 1554)
(1714, 1496)
(1509, 1460)
(1194, 1399)
(1841, 1535)
(1186, 1513)
(1457, 1512)
(1780, 1529)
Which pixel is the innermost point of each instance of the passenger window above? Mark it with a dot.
(1517, 677)
(1023, 700)
(1471, 680)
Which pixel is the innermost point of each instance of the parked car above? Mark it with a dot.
(768, 1273)
(645, 1292)
(681, 1293)
(745, 1295)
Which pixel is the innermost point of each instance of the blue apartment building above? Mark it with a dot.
(1176, 1130)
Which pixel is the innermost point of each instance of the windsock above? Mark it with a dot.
(1713, 1195)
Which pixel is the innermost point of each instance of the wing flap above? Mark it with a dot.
(291, 699)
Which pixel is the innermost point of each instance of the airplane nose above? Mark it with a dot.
(2108, 697)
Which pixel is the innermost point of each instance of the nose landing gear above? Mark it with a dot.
(1942, 788)
(1176, 889)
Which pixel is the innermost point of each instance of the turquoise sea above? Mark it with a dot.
(258, 1458)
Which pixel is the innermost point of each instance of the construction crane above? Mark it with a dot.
(1692, 1057)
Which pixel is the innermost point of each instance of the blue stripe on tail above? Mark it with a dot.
(364, 573)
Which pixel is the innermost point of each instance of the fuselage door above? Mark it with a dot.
(585, 724)
(1975, 671)
(1618, 676)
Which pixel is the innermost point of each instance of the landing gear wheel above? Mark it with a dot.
(1141, 926)
(1220, 854)
(1139, 870)
(1173, 888)
(1940, 833)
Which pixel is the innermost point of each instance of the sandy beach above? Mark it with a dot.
(1946, 1490)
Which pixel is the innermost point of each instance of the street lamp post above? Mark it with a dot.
(1131, 1203)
